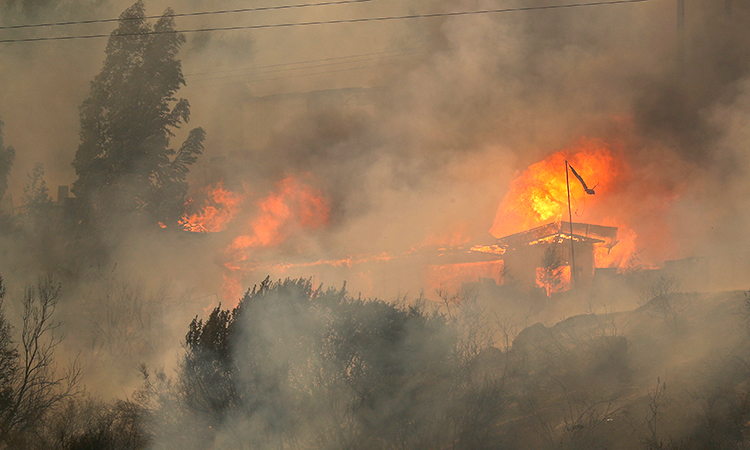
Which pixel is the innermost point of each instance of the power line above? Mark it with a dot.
(330, 22)
(200, 13)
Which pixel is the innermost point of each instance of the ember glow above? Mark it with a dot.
(449, 278)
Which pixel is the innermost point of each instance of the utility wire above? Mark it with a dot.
(200, 13)
(330, 22)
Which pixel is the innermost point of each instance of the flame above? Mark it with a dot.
(220, 207)
(293, 206)
(539, 194)
(231, 289)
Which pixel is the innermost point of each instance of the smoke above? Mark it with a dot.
(412, 130)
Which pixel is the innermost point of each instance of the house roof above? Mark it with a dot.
(560, 231)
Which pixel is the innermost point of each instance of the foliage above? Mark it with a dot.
(124, 162)
(550, 274)
(33, 387)
(8, 358)
(125, 320)
(7, 157)
(88, 424)
(295, 366)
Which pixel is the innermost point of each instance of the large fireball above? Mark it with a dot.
(539, 194)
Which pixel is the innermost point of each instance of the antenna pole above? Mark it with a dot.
(570, 219)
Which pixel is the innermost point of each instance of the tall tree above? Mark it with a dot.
(124, 161)
(7, 156)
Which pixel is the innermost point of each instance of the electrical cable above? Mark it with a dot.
(330, 22)
(200, 13)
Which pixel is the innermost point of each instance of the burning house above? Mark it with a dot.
(541, 257)
(554, 258)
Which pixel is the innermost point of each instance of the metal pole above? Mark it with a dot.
(570, 219)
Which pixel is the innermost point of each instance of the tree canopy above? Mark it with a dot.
(124, 162)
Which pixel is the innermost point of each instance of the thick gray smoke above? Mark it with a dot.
(441, 109)
(411, 129)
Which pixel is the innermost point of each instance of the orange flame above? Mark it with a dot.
(539, 194)
(231, 289)
(292, 207)
(220, 207)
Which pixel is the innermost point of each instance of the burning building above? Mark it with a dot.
(554, 258)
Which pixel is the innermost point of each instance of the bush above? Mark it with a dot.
(295, 366)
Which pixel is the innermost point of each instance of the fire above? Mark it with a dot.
(231, 289)
(292, 207)
(220, 207)
(623, 253)
(539, 194)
